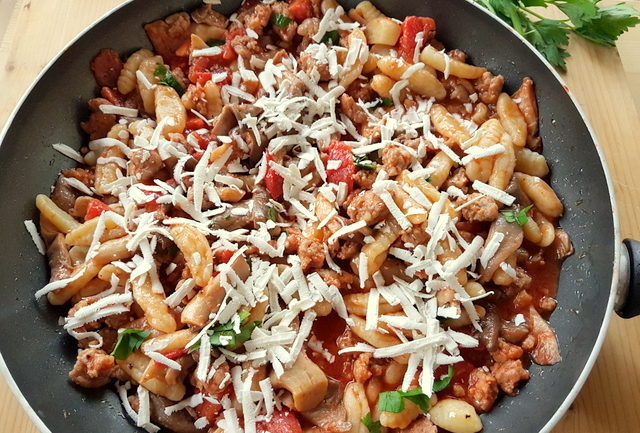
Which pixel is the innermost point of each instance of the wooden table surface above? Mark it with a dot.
(32, 32)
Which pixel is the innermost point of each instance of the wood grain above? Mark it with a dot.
(608, 402)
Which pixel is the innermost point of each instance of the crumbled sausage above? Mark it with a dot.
(483, 390)
(293, 85)
(207, 15)
(352, 110)
(508, 374)
(395, 160)
(168, 35)
(59, 260)
(292, 243)
(257, 18)
(458, 89)
(94, 368)
(458, 179)
(342, 280)
(421, 425)
(526, 100)
(308, 64)
(482, 209)
(489, 87)
(361, 371)
(106, 67)
(361, 90)
(368, 207)
(506, 351)
(98, 125)
(347, 250)
(365, 178)
(246, 46)
(311, 252)
(458, 55)
(307, 29)
(415, 235)
(144, 164)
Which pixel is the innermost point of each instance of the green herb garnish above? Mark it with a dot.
(272, 214)
(129, 340)
(225, 336)
(370, 424)
(363, 161)
(384, 102)
(168, 79)
(599, 24)
(393, 401)
(215, 42)
(512, 216)
(331, 36)
(280, 20)
(441, 384)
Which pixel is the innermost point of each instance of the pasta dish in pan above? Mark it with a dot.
(304, 219)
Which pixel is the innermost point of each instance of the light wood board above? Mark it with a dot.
(609, 400)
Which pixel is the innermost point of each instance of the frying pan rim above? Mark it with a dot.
(593, 356)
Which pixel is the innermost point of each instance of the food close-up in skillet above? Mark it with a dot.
(301, 218)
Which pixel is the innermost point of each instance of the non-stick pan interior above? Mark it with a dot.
(39, 355)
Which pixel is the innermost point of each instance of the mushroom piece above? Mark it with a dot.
(546, 351)
(178, 422)
(306, 382)
(330, 414)
(513, 237)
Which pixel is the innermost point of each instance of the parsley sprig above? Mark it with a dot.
(393, 401)
(370, 424)
(514, 216)
(444, 382)
(226, 336)
(363, 161)
(600, 24)
(168, 79)
(280, 20)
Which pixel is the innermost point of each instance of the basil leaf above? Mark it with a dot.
(224, 335)
(370, 424)
(215, 42)
(168, 79)
(331, 36)
(129, 340)
(280, 20)
(272, 214)
(441, 384)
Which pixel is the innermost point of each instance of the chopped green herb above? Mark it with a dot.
(272, 214)
(331, 36)
(224, 335)
(599, 24)
(441, 384)
(512, 216)
(168, 79)
(370, 424)
(393, 401)
(215, 42)
(429, 179)
(363, 161)
(384, 102)
(129, 340)
(280, 20)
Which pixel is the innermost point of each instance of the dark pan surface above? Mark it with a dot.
(39, 355)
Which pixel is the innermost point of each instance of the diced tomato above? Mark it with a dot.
(410, 28)
(301, 10)
(202, 138)
(197, 154)
(184, 50)
(223, 256)
(340, 151)
(194, 123)
(209, 410)
(175, 354)
(95, 208)
(113, 96)
(282, 421)
(273, 180)
(328, 330)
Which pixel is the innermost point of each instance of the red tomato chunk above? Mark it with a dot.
(282, 421)
(339, 151)
(410, 29)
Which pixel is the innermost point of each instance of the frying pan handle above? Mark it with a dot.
(628, 297)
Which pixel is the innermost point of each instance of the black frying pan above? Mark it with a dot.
(38, 355)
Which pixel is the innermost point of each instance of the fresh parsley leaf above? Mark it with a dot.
(384, 102)
(331, 36)
(602, 25)
(224, 335)
(609, 24)
(280, 20)
(370, 424)
(443, 383)
(393, 401)
(363, 161)
(272, 214)
(129, 340)
(168, 79)
(215, 42)
(511, 216)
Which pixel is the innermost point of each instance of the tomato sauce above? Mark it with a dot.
(328, 330)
